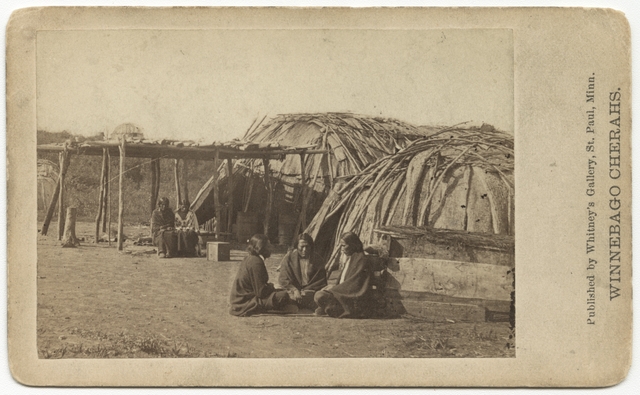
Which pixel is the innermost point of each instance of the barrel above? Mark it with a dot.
(246, 226)
(286, 224)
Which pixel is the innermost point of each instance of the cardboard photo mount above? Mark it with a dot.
(572, 129)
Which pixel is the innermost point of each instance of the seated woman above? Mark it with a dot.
(350, 297)
(162, 229)
(187, 229)
(251, 292)
(302, 272)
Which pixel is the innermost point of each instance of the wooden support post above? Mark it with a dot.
(52, 207)
(121, 196)
(330, 166)
(42, 194)
(303, 214)
(216, 194)
(107, 184)
(154, 180)
(230, 198)
(247, 196)
(185, 180)
(109, 199)
(63, 170)
(101, 197)
(269, 187)
(158, 176)
(176, 165)
(70, 240)
(327, 155)
(307, 198)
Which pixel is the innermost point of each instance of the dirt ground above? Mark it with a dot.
(94, 302)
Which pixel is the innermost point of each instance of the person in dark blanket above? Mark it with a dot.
(302, 272)
(350, 296)
(187, 229)
(251, 292)
(162, 229)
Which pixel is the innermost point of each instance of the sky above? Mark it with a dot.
(210, 85)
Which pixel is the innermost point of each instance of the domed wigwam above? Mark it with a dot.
(441, 214)
(351, 141)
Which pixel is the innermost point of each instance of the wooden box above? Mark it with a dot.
(218, 251)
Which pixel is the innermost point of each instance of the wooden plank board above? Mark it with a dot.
(420, 247)
(452, 278)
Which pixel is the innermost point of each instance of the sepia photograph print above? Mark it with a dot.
(210, 196)
(251, 193)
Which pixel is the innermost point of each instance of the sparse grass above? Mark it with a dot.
(123, 345)
(483, 335)
(440, 345)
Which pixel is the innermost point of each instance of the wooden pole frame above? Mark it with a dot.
(101, 198)
(121, 196)
(52, 203)
(269, 187)
(107, 184)
(153, 198)
(158, 178)
(109, 200)
(63, 170)
(185, 180)
(176, 166)
(303, 214)
(216, 194)
(248, 188)
(155, 184)
(230, 199)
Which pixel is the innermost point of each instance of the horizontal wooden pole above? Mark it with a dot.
(174, 152)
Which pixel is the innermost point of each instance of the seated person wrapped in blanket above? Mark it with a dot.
(251, 292)
(351, 296)
(302, 272)
(187, 230)
(163, 229)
